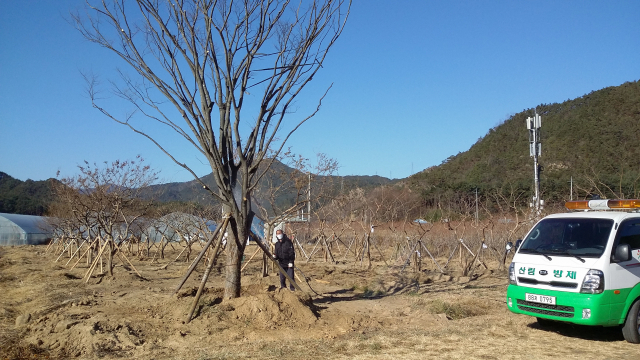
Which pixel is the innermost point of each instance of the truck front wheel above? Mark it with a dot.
(631, 329)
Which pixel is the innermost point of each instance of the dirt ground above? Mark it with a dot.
(48, 312)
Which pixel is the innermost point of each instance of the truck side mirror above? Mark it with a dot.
(622, 253)
(518, 243)
(509, 246)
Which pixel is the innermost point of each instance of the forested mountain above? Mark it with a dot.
(593, 139)
(24, 197)
(33, 197)
(192, 191)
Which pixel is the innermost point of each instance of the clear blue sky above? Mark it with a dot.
(413, 82)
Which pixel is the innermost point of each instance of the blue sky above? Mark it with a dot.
(414, 82)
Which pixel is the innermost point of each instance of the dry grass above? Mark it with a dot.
(364, 314)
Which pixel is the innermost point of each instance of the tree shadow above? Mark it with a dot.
(344, 295)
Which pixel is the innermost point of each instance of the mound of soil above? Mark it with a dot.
(74, 329)
(273, 309)
(70, 333)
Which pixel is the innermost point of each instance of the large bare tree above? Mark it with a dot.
(195, 63)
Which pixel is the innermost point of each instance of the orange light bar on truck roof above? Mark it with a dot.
(603, 204)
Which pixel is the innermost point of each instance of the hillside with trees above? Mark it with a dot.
(34, 197)
(591, 139)
(24, 197)
(192, 191)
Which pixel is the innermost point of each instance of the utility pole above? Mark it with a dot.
(476, 206)
(309, 199)
(571, 190)
(535, 150)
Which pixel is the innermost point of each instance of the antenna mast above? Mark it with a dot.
(535, 151)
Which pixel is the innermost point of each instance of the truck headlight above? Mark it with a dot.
(512, 274)
(593, 282)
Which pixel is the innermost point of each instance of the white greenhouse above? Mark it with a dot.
(16, 229)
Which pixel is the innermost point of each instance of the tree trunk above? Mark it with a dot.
(110, 259)
(267, 239)
(232, 276)
(238, 231)
(163, 244)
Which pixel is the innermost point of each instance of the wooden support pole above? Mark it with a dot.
(251, 258)
(207, 271)
(313, 250)
(265, 264)
(467, 269)
(54, 241)
(409, 258)
(95, 263)
(203, 252)
(451, 256)
(328, 250)
(349, 249)
(64, 250)
(432, 258)
(472, 254)
(369, 250)
(201, 288)
(118, 251)
(75, 252)
(380, 252)
(81, 256)
(300, 247)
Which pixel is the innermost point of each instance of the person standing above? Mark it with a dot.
(286, 255)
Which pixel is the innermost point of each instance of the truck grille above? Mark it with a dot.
(562, 284)
(546, 309)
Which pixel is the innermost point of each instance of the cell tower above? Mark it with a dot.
(535, 151)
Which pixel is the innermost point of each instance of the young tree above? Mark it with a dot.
(104, 201)
(202, 58)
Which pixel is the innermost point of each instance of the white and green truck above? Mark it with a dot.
(581, 267)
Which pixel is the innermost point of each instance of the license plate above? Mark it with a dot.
(542, 299)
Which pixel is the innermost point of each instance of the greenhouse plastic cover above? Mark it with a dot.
(17, 229)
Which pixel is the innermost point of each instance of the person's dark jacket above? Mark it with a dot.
(285, 253)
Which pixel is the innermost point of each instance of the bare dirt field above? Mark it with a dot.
(48, 312)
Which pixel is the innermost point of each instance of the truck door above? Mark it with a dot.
(625, 275)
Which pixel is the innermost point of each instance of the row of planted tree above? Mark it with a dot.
(105, 215)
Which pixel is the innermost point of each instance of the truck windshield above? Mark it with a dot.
(568, 237)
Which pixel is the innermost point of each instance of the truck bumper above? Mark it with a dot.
(584, 309)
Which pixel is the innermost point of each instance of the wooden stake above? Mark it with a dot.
(81, 256)
(369, 250)
(95, 263)
(247, 263)
(451, 256)
(118, 251)
(432, 258)
(201, 288)
(328, 250)
(75, 252)
(313, 251)
(409, 258)
(380, 252)
(300, 247)
(470, 266)
(203, 252)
